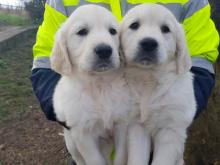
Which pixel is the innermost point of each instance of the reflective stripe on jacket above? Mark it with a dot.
(201, 34)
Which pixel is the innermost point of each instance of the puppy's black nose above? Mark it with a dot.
(103, 51)
(148, 44)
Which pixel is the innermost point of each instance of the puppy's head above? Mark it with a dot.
(150, 36)
(88, 41)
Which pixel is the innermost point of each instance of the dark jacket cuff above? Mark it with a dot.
(43, 83)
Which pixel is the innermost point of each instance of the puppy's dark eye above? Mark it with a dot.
(165, 29)
(83, 32)
(134, 25)
(112, 31)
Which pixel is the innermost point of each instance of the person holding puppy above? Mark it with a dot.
(194, 15)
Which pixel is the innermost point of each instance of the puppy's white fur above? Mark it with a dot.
(163, 88)
(94, 104)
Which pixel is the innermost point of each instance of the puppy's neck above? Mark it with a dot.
(156, 75)
(91, 78)
(165, 72)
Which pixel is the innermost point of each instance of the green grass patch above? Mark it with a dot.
(2, 63)
(15, 20)
(16, 93)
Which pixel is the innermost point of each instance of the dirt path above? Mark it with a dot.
(7, 32)
(2, 28)
(31, 140)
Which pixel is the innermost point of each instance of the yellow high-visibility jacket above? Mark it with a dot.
(201, 34)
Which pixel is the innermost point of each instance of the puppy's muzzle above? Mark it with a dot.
(148, 45)
(147, 51)
(103, 51)
(103, 54)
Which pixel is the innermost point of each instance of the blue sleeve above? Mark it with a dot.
(44, 82)
(203, 83)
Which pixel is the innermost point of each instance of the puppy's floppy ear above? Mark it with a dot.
(183, 60)
(60, 60)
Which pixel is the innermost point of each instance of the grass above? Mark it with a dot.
(13, 20)
(16, 93)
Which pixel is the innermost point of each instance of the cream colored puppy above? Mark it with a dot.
(158, 65)
(91, 96)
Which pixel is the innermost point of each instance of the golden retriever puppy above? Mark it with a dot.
(91, 96)
(157, 72)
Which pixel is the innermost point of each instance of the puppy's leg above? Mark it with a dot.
(88, 146)
(169, 146)
(139, 144)
(71, 147)
(120, 133)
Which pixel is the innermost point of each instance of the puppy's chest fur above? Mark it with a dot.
(100, 101)
(162, 99)
(144, 90)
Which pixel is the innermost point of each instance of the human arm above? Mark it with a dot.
(43, 78)
(203, 40)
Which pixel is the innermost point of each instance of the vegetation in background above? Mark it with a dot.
(16, 93)
(35, 10)
(215, 4)
(14, 20)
